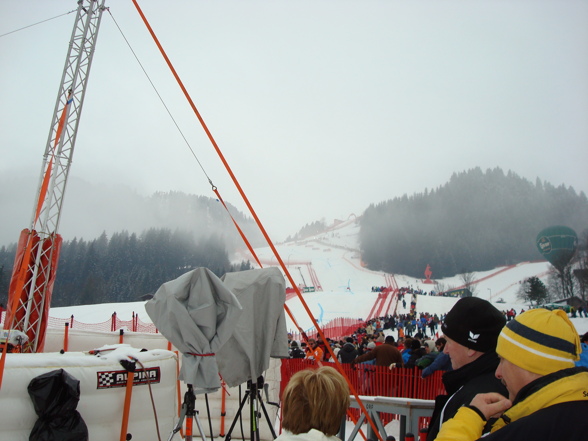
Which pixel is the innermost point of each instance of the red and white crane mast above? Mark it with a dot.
(38, 248)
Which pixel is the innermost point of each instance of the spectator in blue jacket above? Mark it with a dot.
(584, 355)
(407, 348)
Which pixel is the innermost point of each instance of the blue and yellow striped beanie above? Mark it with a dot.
(540, 341)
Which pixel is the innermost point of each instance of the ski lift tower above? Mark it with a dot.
(33, 275)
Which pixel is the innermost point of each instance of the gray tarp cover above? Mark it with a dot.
(261, 330)
(197, 313)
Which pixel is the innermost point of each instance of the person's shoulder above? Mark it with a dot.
(311, 435)
(543, 425)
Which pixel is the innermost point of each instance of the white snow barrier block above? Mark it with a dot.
(102, 391)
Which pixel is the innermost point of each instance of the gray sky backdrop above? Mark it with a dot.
(320, 107)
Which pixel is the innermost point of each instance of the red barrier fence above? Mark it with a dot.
(380, 381)
(377, 381)
(336, 329)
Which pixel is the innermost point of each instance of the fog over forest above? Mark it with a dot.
(91, 210)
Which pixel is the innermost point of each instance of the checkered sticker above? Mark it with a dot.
(110, 379)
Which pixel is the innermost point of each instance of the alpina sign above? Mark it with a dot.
(110, 379)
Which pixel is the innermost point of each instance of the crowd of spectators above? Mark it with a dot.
(482, 352)
(419, 343)
(418, 347)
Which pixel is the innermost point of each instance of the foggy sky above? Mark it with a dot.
(321, 108)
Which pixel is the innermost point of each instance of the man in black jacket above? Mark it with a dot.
(471, 329)
(295, 351)
(348, 351)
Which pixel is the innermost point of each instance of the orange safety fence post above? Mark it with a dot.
(66, 337)
(121, 333)
(223, 408)
(130, 366)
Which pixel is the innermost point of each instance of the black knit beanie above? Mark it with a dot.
(474, 323)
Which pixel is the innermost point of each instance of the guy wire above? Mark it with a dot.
(38, 23)
(160, 97)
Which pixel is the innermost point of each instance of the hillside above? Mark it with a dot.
(331, 261)
(91, 210)
(477, 221)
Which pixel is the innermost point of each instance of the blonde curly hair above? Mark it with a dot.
(315, 399)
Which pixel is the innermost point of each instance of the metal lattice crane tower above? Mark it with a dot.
(38, 248)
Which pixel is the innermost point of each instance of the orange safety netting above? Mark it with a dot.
(335, 329)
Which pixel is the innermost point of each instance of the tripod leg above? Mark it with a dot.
(243, 401)
(189, 411)
(253, 415)
(208, 413)
(200, 427)
(254, 395)
(190, 403)
(267, 418)
(188, 433)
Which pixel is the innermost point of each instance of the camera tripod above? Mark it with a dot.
(254, 397)
(188, 410)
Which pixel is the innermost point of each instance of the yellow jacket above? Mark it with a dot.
(569, 385)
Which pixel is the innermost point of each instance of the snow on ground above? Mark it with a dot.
(331, 260)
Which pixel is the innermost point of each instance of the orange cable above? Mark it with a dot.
(252, 251)
(249, 206)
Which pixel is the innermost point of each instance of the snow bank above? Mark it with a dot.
(102, 391)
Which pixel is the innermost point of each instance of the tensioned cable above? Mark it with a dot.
(253, 213)
(38, 23)
(159, 96)
(214, 188)
(227, 166)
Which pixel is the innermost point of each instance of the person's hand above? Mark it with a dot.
(491, 404)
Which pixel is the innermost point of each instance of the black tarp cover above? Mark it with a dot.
(55, 396)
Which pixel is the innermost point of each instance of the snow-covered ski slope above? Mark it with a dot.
(332, 260)
(345, 286)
